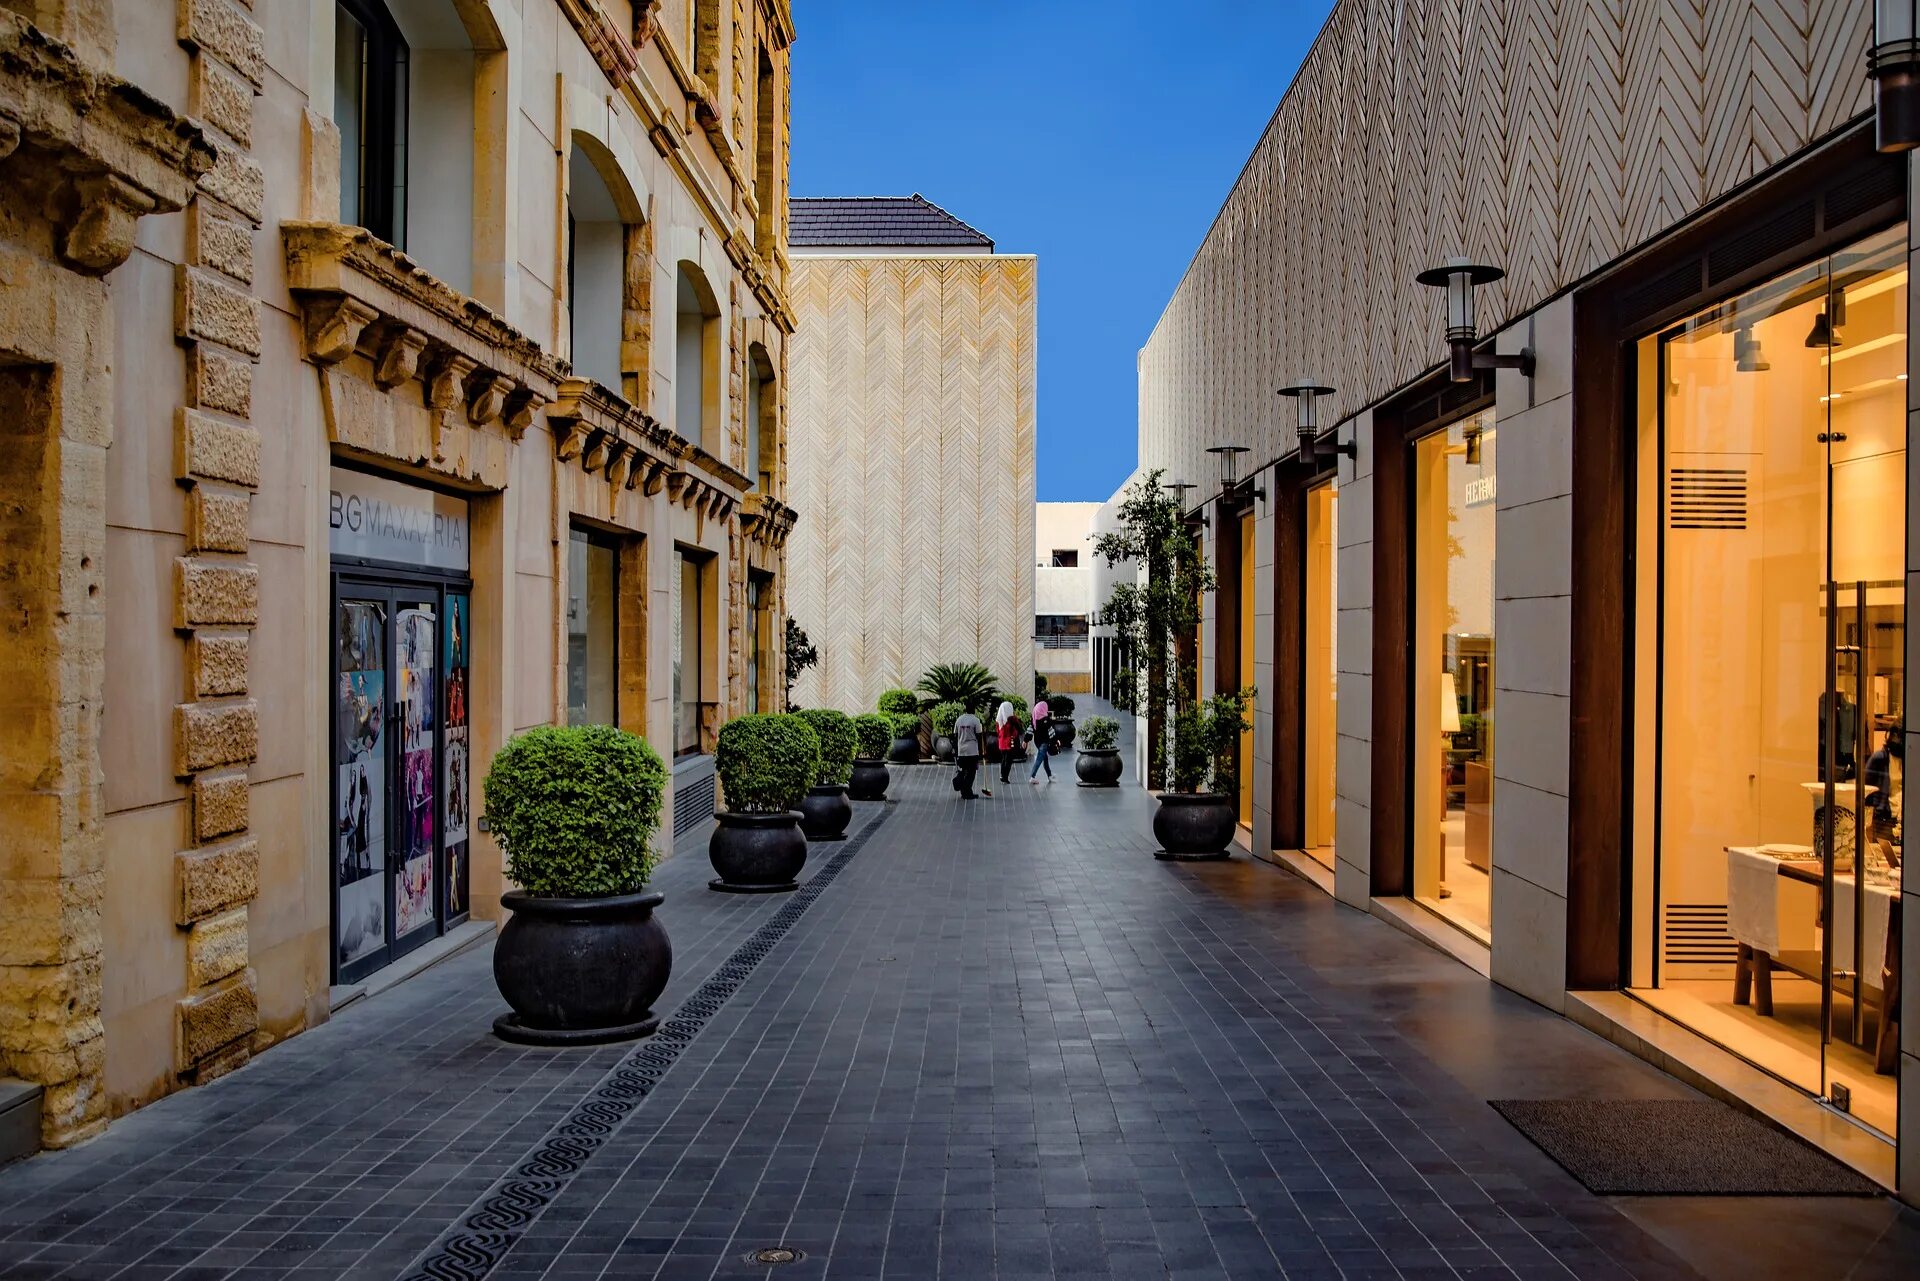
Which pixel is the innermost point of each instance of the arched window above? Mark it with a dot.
(403, 93)
(596, 270)
(696, 365)
(762, 415)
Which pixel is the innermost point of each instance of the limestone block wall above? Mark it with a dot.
(912, 463)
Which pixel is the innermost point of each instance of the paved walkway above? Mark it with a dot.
(988, 1040)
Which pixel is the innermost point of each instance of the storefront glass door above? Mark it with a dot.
(1321, 685)
(1771, 853)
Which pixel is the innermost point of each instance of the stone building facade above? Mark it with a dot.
(913, 447)
(381, 377)
(1619, 724)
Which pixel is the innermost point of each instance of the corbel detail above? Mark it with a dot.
(396, 356)
(334, 328)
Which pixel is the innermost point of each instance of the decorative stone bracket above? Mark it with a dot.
(117, 153)
(766, 520)
(359, 294)
(609, 437)
(616, 56)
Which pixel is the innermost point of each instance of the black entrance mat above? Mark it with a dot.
(1677, 1147)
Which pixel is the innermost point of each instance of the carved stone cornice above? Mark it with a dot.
(646, 21)
(612, 438)
(754, 271)
(615, 54)
(117, 153)
(358, 293)
(766, 520)
(780, 22)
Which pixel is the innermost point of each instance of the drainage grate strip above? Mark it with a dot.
(474, 1246)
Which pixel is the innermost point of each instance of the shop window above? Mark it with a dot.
(404, 73)
(696, 364)
(761, 411)
(766, 160)
(1769, 776)
(1453, 656)
(1061, 631)
(596, 269)
(1321, 686)
(760, 661)
(693, 667)
(593, 629)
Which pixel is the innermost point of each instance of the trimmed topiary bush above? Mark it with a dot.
(905, 725)
(1099, 733)
(575, 808)
(894, 702)
(766, 763)
(1060, 705)
(872, 736)
(943, 716)
(837, 743)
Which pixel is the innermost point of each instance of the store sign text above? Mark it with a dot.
(1480, 492)
(378, 519)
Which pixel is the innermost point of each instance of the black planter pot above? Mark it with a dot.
(757, 853)
(942, 747)
(1194, 825)
(825, 813)
(1099, 766)
(1063, 725)
(905, 750)
(580, 971)
(869, 782)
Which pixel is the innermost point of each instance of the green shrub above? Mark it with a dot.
(1098, 733)
(872, 735)
(835, 731)
(1206, 743)
(943, 716)
(575, 809)
(905, 725)
(766, 763)
(894, 702)
(1060, 705)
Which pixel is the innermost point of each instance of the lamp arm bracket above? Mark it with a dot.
(1521, 360)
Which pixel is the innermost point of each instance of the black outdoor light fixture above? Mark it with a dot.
(1305, 394)
(1893, 64)
(1460, 277)
(1230, 482)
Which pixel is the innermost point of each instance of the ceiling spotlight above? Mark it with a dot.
(1823, 334)
(1747, 356)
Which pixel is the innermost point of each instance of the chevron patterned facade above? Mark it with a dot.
(1548, 136)
(911, 440)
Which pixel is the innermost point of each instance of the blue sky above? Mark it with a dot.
(1101, 136)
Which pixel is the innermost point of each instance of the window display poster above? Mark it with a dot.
(454, 814)
(417, 637)
(361, 824)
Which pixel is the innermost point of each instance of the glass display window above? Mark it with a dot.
(1767, 851)
(1321, 684)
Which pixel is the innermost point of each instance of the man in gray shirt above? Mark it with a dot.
(966, 753)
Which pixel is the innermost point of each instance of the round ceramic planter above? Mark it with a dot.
(825, 813)
(1063, 726)
(905, 750)
(1098, 766)
(869, 781)
(580, 971)
(1193, 825)
(942, 747)
(757, 853)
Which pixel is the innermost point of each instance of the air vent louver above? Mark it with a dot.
(1707, 498)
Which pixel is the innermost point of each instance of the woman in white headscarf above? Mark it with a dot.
(1006, 737)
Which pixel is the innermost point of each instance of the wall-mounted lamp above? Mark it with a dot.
(1893, 64)
(1179, 488)
(1305, 393)
(1230, 482)
(1460, 277)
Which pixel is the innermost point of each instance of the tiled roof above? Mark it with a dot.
(878, 221)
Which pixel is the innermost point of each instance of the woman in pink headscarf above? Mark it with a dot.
(1042, 743)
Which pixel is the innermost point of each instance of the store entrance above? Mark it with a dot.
(1767, 854)
(1321, 677)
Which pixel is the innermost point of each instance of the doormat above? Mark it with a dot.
(1677, 1147)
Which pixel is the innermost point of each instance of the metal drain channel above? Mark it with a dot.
(475, 1245)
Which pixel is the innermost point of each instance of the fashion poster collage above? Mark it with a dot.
(458, 782)
(361, 824)
(417, 638)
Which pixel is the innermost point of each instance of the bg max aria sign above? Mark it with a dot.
(373, 518)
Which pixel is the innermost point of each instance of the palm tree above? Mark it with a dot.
(969, 684)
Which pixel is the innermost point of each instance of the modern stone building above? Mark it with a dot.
(1579, 625)
(1064, 580)
(379, 378)
(912, 412)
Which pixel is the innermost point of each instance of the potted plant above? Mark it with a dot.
(943, 716)
(1098, 763)
(582, 958)
(872, 735)
(824, 810)
(1060, 707)
(896, 704)
(765, 764)
(964, 683)
(1196, 819)
(1156, 619)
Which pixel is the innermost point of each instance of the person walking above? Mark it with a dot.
(966, 752)
(1007, 737)
(1042, 743)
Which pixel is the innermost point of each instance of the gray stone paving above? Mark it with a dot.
(1004, 1043)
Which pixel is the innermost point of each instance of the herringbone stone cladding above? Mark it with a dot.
(1548, 137)
(911, 439)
